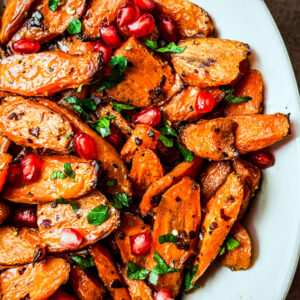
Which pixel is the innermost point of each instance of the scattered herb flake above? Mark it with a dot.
(83, 262)
(60, 200)
(135, 272)
(229, 89)
(190, 273)
(89, 83)
(170, 48)
(121, 106)
(57, 175)
(120, 200)
(187, 154)
(67, 136)
(68, 170)
(53, 4)
(75, 26)
(102, 126)
(167, 238)
(98, 215)
(229, 244)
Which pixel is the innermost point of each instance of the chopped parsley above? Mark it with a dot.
(68, 170)
(187, 154)
(166, 130)
(57, 175)
(75, 26)
(84, 262)
(102, 126)
(170, 48)
(229, 89)
(98, 215)
(60, 200)
(53, 4)
(135, 272)
(167, 238)
(229, 244)
(120, 200)
(189, 275)
(81, 105)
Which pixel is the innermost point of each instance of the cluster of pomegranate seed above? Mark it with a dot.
(85, 146)
(205, 102)
(26, 46)
(150, 116)
(140, 243)
(25, 216)
(70, 238)
(164, 294)
(262, 159)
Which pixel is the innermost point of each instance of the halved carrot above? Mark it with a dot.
(255, 132)
(5, 159)
(141, 174)
(4, 211)
(46, 73)
(153, 195)
(251, 85)
(31, 124)
(240, 257)
(108, 272)
(221, 213)
(38, 281)
(46, 189)
(53, 219)
(212, 139)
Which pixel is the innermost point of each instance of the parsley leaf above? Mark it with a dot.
(120, 200)
(167, 238)
(166, 130)
(75, 26)
(135, 272)
(167, 142)
(57, 175)
(83, 262)
(80, 104)
(68, 170)
(74, 206)
(160, 268)
(83, 84)
(67, 136)
(102, 126)
(170, 48)
(118, 66)
(53, 4)
(229, 89)
(229, 244)
(190, 273)
(121, 106)
(98, 215)
(187, 154)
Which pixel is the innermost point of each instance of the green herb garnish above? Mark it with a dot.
(121, 106)
(80, 105)
(68, 170)
(57, 175)
(60, 200)
(167, 238)
(229, 244)
(83, 262)
(135, 272)
(120, 200)
(166, 130)
(187, 154)
(190, 273)
(102, 126)
(229, 89)
(67, 136)
(75, 26)
(53, 4)
(89, 83)
(170, 48)
(98, 215)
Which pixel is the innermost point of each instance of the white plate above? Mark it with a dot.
(274, 217)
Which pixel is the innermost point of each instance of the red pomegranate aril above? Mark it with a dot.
(146, 5)
(143, 26)
(168, 29)
(140, 243)
(25, 216)
(26, 46)
(262, 159)
(85, 146)
(14, 173)
(110, 36)
(205, 102)
(150, 116)
(128, 13)
(164, 294)
(106, 51)
(115, 137)
(31, 167)
(70, 238)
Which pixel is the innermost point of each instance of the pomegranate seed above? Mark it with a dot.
(26, 46)
(31, 167)
(140, 243)
(262, 159)
(106, 51)
(205, 102)
(85, 146)
(168, 29)
(110, 36)
(150, 116)
(115, 137)
(70, 238)
(128, 13)
(146, 5)
(25, 216)
(164, 294)
(144, 25)
(14, 173)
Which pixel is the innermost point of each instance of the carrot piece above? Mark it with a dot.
(46, 73)
(251, 85)
(31, 124)
(205, 61)
(255, 132)
(38, 281)
(212, 139)
(108, 272)
(221, 213)
(141, 174)
(5, 159)
(152, 196)
(240, 257)
(46, 189)
(143, 137)
(4, 144)
(61, 295)
(4, 211)
(85, 286)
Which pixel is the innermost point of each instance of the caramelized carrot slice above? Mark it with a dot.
(52, 220)
(240, 257)
(38, 281)
(46, 189)
(212, 139)
(13, 16)
(255, 132)
(108, 272)
(153, 195)
(4, 211)
(5, 159)
(4, 144)
(205, 61)
(143, 137)
(30, 124)
(85, 285)
(61, 295)
(141, 174)
(46, 73)
(106, 153)
(49, 23)
(221, 213)
(251, 85)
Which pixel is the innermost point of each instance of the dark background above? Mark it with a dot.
(287, 16)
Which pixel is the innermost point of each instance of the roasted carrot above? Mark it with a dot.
(4, 144)
(61, 295)
(4, 211)
(5, 159)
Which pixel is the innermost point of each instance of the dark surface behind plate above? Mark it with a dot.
(287, 16)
